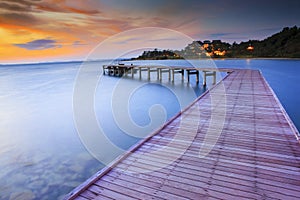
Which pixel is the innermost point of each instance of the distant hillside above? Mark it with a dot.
(285, 44)
(159, 55)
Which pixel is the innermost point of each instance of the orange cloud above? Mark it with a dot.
(30, 28)
(67, 6)
(21, 43)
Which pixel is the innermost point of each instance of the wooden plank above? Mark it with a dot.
(268, 172)
(81, 198)
(285, 161)
(256, 155)
(134, 188)
(88, 194)
(110, 191)
(173, 187)
(225, 177)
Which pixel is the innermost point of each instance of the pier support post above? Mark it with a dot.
(214, 77)
(157, 72)
(182, 73)
(140, 72)
(149, 74)
(132, 72)
(173, 72)
(191, 72)
(160, 74)
(204, 78)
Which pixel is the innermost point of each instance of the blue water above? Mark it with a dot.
(42, 151)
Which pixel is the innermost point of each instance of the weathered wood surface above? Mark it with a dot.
(256, 156)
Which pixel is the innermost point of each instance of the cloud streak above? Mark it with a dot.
(39, 44)
(39, 24)
(19, 19)
(78, 43)
(64, 6)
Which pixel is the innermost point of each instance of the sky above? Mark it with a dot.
(63, 30)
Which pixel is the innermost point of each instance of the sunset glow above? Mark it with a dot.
(59, 30)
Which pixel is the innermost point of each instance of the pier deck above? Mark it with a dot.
(256, 156)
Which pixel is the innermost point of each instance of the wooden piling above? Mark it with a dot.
(120, 70)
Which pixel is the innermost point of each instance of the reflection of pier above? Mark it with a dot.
(256, 155)
(131, 70)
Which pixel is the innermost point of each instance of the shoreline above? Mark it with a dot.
(125, 60)
(260, 58)
(266, 58)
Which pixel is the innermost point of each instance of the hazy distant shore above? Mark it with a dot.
(128, 60)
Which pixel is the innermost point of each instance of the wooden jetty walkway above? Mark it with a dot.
(257, 155)
(121, 70)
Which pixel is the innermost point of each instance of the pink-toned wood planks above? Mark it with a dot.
(256, 156)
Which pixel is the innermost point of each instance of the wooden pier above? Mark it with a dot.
(257, 155)
(131, 70)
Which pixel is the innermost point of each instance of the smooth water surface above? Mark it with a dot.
(41, 153)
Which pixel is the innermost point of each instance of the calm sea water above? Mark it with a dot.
(43, 156)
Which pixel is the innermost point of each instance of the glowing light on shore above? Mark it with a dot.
(250, 48)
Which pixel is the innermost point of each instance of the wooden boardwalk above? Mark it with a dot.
(256, 156)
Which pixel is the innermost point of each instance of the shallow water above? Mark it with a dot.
(42, 156)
